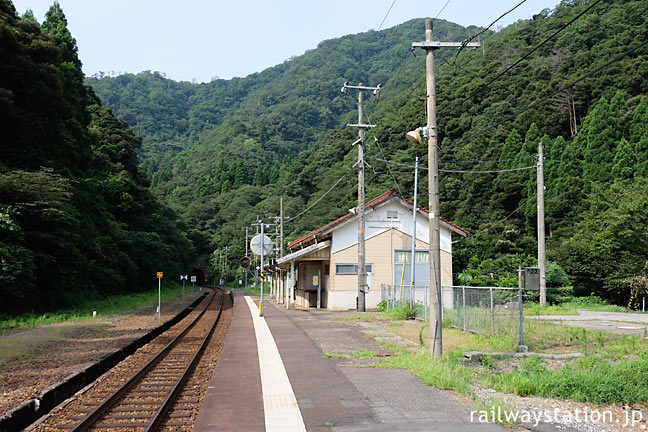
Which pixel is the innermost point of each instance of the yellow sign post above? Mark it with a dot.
(159, 278)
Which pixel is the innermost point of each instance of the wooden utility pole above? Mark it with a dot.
(542, 255)
(362, 270)
(430, 46)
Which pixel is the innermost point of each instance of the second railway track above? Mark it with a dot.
(140, 400)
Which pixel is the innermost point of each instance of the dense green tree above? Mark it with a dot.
(76, 216)
(639, 137)
(226, 187)
(624, 161)
(599, 135)
(610, 243)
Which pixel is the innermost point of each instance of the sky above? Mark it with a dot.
(199, 40)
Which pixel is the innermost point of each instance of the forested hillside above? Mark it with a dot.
(223, 152)
(77, 218)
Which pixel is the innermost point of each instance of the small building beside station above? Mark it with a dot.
(324, 262)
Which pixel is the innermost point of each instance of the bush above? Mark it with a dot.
(590, 301)
(402, 311)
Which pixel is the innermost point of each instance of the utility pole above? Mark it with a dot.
(246, 254)
(281, 249)
(414, 211)
(430, 46)
(261, 273)
(362, 268)
(542, 255)
(256, 270)
(281, 226)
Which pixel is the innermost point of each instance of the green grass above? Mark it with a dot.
(20, 346)
(355, 354)
(402, 311)
(534, 309)
(104, 306)
(447, 373)
(592, 303)
(367, 317)
(588, 379)
(613, 370)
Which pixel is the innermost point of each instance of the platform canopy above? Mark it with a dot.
(303, 252)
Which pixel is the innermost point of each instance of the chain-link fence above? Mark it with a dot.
(486, 310)
(396, 296)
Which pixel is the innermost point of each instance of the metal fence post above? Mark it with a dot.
(492, 311)
(463, 300)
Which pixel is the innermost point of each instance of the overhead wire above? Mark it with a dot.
(386, 15)
(442, 9)
(486, 171)
(537, 47)
(456, 171)
(539, 101)
(466, 41)
(490, 161)
(411, 50)
(325, 193)
(383, 155)
(534, 49)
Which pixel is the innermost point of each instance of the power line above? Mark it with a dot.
(456, 171)
(466, 41)
(322, 197)
(525, 56)
(442, 9)
(538, 102)
(387, 14)
(487, 161)
(383, 155)
(542, 43)
(486, 171)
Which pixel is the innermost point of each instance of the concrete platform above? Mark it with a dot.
(330, 395)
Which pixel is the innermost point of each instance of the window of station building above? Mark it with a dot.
(401, 256)
(351, 269)
(392, 215)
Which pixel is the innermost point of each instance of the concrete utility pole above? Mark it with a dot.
(246, 254)
(256, 270)
(542, 255)
(262, 273)
(430, 46)
(362, 270)
(281, 249)
(281, 233)
(414, 211)
(225, 261)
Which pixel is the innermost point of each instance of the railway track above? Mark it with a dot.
(142, 400)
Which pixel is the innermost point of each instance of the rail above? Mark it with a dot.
(111, 401)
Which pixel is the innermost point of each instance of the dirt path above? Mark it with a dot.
(32, 360)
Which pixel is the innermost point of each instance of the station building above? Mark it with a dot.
(323, 264)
